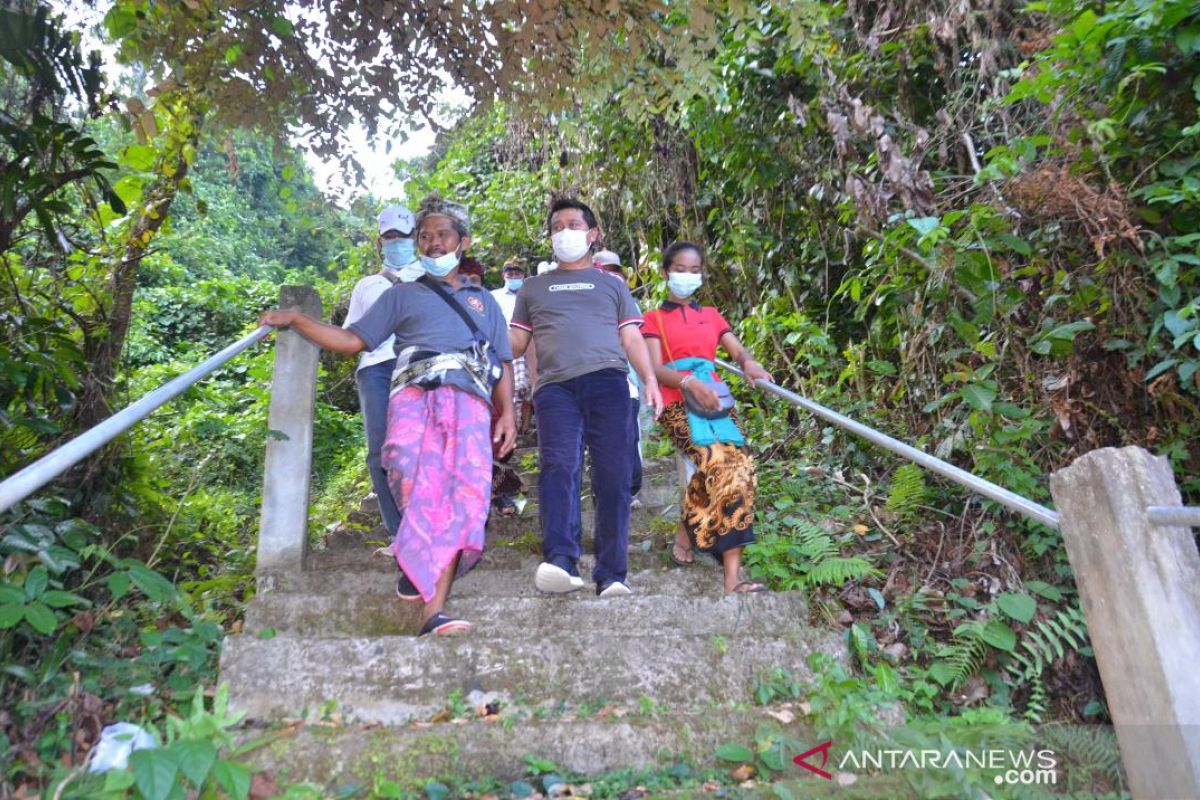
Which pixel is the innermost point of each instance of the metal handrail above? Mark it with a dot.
(1004, 497)
(1174, 515)
(33, 477)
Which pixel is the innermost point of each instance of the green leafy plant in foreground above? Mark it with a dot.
(197, 759)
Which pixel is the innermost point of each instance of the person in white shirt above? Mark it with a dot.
(374, 373)
(506, 482)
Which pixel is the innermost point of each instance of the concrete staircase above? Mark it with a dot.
(590, 685)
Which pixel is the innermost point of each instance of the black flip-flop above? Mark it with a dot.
(406, 590)
(442, 624)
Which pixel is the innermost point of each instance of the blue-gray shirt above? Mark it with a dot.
(419, 317)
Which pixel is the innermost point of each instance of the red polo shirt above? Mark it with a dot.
(689, 331)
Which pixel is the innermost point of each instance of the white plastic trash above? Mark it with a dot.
(116, 743)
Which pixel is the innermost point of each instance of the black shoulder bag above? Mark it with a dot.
(484, 353)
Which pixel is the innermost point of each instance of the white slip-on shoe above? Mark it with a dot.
(555, 580)
(616, 589)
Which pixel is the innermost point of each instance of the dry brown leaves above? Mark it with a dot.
(1053, 192)
(852, 121)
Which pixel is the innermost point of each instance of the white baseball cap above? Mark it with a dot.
(546, 266)
(397, 218)
(607, 257)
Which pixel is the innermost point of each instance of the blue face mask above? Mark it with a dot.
(514, 284)
(441, 266)
(399, 252)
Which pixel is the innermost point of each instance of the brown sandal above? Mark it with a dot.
(679, 562)
(748, 587)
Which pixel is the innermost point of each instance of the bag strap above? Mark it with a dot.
(662, 332)
(457, 306)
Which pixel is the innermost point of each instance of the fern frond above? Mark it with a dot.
(814, 542)
(908, 490)
(1035, 707)
(1043, 644)
(1090, 751)
(840, 569)
(966, 654)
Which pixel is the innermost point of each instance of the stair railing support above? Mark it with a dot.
(1140, 587)
(283, 529)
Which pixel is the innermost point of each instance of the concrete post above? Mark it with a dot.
(1140, 587)
(283, 530)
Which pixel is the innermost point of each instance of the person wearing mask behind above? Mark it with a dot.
(610, 262)
(374, 372)
(453, 367)
(585, 326)
(471, 271)
(506, 483)
(683, 336)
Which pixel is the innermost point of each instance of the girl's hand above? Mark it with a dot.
(755, 372)
(703, 394)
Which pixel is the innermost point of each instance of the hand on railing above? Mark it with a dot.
(277, 318)
(753, 371)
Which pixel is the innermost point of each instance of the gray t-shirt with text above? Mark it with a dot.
(575, 317)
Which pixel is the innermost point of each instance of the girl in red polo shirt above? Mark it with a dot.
(718, 508)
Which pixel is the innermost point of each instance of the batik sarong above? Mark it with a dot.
(438, 457)
(718, 503)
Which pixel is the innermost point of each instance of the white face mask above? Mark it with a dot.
(569, 245)
(441, 266)
(684, 284)
(407, 273)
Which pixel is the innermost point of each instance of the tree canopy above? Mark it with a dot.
(972, 224)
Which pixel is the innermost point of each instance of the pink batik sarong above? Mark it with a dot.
(438, 457)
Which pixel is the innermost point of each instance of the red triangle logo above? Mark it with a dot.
(823, 749)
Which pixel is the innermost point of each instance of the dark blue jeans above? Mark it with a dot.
(595, 408)
(373, 385)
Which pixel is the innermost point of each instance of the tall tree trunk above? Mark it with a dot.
(103, 350)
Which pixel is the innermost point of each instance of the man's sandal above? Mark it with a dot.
(406, 590)
(442, 624)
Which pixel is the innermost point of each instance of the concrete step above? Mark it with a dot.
(464, 750)
(501, 574)
(521, 533)
(642, 522)
(397, 679)
(380, 614)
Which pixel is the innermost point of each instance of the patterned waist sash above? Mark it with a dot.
(427, 369)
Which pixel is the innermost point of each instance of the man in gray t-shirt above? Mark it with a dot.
(576, 315)
(585, 326)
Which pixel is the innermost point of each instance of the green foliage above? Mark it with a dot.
(962, 657)
(1043, 644)
(907, 491)
(120, 591)
(197, 755)
(794, 553)
(41, 153)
